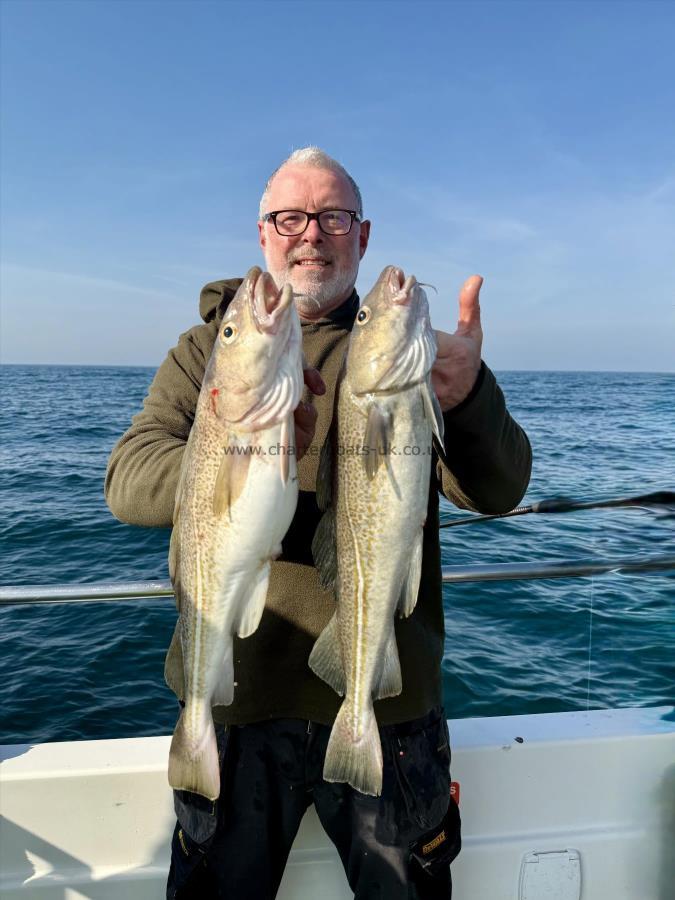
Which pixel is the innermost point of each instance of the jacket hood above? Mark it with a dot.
(215, 298)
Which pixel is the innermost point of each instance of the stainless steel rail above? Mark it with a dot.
(149, 590)
(553, 569)
(84, 593)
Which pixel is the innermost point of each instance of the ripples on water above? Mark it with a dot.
(96, 670)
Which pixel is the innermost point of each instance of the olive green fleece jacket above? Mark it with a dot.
(486, 468)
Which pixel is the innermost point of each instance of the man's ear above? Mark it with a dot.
(261, 235)
(364, 237)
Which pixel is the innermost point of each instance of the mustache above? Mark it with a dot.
(304, 254)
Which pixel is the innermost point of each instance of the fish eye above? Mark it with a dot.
(363, 315)
(229, 333)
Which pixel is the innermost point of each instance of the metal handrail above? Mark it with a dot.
(149, 590)
(554, 569)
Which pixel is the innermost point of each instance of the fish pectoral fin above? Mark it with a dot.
(377, 438)
(231, 477)
(391, 683)
(411, 585)
(255, 604)
(194, 764)
(325, 660)
(356, 761)
(324, 549)
(433, 412)
(173, 665)
(223, 693)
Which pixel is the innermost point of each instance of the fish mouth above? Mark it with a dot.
(402, 289)
(269, 304)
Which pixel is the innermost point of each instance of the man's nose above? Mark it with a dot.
(313, 234)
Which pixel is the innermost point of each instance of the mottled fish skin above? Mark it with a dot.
(379, 504)
(234, 504)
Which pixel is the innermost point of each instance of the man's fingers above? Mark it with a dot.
(305, 416)
(469, 305)
(314, 381)
(305, 424)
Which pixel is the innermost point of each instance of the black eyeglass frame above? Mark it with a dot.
(272, 217)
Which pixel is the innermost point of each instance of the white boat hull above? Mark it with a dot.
(93, 819)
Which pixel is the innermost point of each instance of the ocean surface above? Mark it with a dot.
(95, 670)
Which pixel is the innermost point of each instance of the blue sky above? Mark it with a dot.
(533, 143)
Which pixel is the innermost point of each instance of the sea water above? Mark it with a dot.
(95, 670)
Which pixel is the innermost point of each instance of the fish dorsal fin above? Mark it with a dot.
(174, 555)
(174, 563)
(173, 665)
(328, 457)
(377, 438)
(231, 477)
(174, 544)
(324, 543)
(324, 474)
(433, 411)
(324, 550)
(184, 463)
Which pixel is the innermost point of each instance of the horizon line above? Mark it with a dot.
(155, 367)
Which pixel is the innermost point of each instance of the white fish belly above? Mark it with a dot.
(230, 553)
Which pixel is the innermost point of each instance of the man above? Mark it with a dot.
(398, 845)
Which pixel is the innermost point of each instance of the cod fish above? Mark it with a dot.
(373, 482)
(234, 502)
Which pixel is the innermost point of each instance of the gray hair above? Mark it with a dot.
(313, 156)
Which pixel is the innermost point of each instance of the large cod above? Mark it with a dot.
(236, 496)
(373, 483)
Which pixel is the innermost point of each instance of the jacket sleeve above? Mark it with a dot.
(488, 458)
(143, 469)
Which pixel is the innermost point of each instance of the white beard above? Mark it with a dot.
(313, 291)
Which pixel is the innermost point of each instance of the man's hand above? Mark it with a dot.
(306, 414)
(458, 356)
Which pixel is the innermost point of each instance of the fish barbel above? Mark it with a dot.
(234, 503)
(374, 482)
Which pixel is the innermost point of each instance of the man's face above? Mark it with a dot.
(321, 267)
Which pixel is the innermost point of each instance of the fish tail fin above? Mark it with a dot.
(193, 761)
(355, 758)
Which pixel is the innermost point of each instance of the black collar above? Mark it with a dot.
(342, 316)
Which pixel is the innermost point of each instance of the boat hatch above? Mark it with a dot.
(551, 875)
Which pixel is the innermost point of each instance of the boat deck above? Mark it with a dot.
(93, 819)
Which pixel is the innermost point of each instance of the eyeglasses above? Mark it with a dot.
(292, 222)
